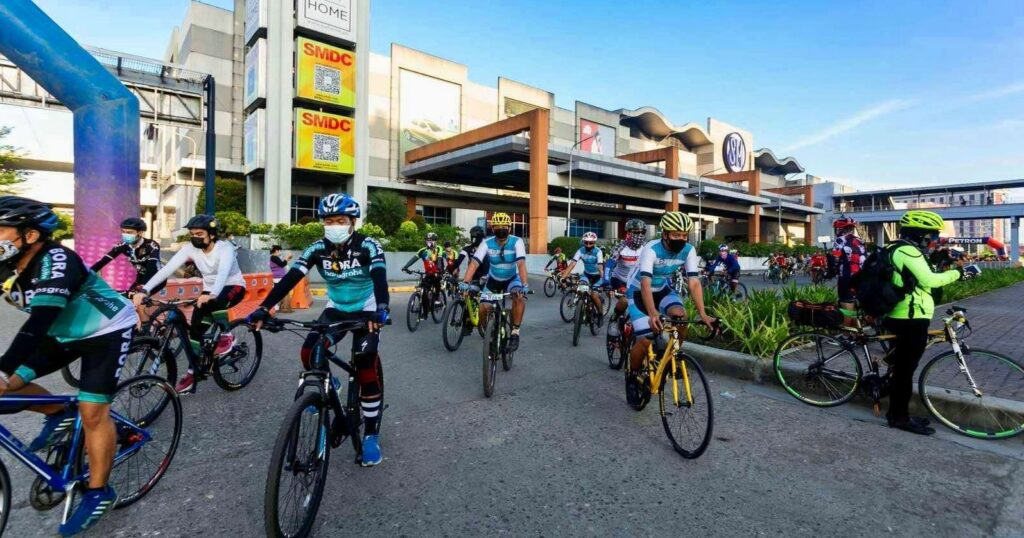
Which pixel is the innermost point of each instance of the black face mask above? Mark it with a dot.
(198, 242)
(501, 233)
(675, 245)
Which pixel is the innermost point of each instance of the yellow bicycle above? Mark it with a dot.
(461, 316)
(684, 397)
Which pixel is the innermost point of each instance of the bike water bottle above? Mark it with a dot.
(336, 383)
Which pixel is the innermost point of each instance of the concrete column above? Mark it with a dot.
(277, 179)
(362, 113)
(880, 234)
(754, 224)
(410, 206)
(539, 130)
(1015, 239)
(254, 198)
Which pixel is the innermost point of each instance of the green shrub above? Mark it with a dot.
(261, 228)
(990, 279)
(386, 209)
(229, 195)
(708, 248)
(420, 222)
(816, 293)
(297, 236)
(232, 223)
(569, 245)
(447, 232)
(372, 230)
(407, 227)
(66, 228)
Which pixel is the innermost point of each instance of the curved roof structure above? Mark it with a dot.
(766, 160)
(652, 122)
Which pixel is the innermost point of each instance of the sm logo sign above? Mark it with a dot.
(734, 152)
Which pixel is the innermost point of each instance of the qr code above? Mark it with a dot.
(326, 147)
(327, 80)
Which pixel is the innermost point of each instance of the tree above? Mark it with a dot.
(10, 178)
(387, 210)
(229, 193)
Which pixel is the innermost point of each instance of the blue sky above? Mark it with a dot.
(875, 93)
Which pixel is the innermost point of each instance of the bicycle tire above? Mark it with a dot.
(138, 367)
(692, 370)
(226, 366)
(436, 313)
(453, 325)
(797, 363)
(615, 347)
(567, 307)
(412, 313)
(595, 321)
(741, 292)
(490, 360)
(506, 355)
(134, 388)
(72, 373)
(942, 394)
(577, 324)
(550, 287)
(5, 497)
(285, 449)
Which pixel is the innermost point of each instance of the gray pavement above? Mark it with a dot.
(556, 452)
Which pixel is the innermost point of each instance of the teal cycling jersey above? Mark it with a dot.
(346, 271)
(591, 258)
(502, 258)
(659, 264)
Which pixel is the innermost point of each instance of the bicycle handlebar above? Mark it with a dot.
(276, 325)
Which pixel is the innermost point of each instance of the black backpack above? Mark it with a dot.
(877, 295)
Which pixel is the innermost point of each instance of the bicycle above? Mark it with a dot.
(461, 316)
(421, 304)
(308, 432)
(552, 283)
(231, 370)
(817, 275)
(721, 286)
(687, 400)
(496, 332)
(826, 370)
(587, 313)
(567, 306)
(622, 343)
(146, 444)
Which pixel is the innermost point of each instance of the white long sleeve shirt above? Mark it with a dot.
(219, 267)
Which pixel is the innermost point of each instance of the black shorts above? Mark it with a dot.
(102, 358)
(593, 279)
(618, 284)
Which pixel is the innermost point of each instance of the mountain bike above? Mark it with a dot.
(721, 285)
(552, 283)
(618, 347)
(587, 313)
(147, 421)
(319, 419)
(422, 303)
(496, 332)
(567, 306)
(460, 317)
(975, 392)
(684, 397)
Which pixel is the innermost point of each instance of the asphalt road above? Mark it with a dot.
(556, 452)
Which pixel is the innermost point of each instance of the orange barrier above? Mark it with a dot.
(301, 296)
(257, 287)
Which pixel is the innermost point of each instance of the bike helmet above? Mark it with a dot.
(431, 236)
(636, 226)
(675, 221)
(27, 213)
(923, 220)
(336, 204)
(558, 250)
(589, 237)
(447, 244)
(723, 248)
(477, 233)
(203, 222)
(843, 223)
(134, 223)
(501, 219)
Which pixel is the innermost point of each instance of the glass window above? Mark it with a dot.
(515, 108)
(578, 227)
(434, 215)
(304, 207)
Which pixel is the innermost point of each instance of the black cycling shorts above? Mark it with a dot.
(592, 278)
(102, 358)
(617, 283)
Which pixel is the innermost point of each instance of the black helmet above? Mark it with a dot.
(203, 222)
(431, 236)
(27, 213)
(636, 225)
(134, 223)
(447, 244)
(476, 232)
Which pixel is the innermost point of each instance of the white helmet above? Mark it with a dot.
(590, 237)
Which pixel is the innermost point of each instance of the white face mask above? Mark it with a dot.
(337, 233)
(8, 250)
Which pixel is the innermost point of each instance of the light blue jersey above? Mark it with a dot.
(659, 264)
(591, 259)
(502, 258)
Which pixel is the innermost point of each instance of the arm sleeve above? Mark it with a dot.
(458, 261)
(411, 261)
(281, 289)
(28, 338)
(163, 274)
(379, 275)
(276, 260)
(226, 258)
(579, 254)
(107, 258)
(153, 261)
(520, 250)
(916, 264)
(646, 263)
(481, 252)
(551, 261)
(692, 267)
(600, 256)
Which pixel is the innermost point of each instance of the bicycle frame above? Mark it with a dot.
(176, 318)
(660, 365)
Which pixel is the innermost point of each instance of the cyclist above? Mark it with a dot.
(223, 285)
(818, 264)
(910, 318)
(558, 259)
(72, 314)
(476, 235)
(620, 264)
(353, 267)
(142, 253)
(433, 260)
(506, 256)
(650, 293)
(782, 263)
(450, 255)
(730, 263)
(593, 264)
(848, 252)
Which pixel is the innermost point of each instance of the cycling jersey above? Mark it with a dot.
(850, 252)
(145, 258)
(502, 258)
(819, 260)
(219, 267)
(467, 252)
(560, 262)
(731, 264)
(624, 258)
(450, 255)
(918, 304)
(658, 264)
(591, 259)
(432, 258)
(346, 271)
(58, 277)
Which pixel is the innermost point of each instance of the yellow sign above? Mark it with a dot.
(324, 142)
(325, 73)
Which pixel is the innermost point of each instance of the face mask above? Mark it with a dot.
(501, 233)
(129, 238)
(430, 244)
(337, 233)
(675, 245)
(198, 242)
(8, 250)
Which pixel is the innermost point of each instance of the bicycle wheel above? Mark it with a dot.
(490, 354)
(550, 287)
(741, 292)
(146, 358)
(453, 327)
(616, 348)
(438, 312)
(817, 369)
(298, 469)
(687, 411)
(5, 497)
(506, 355)
(596, 320)
(765, 275)
(72, 373)
(152, 408)
(567, 307)
(577, 323)
(412, 313)
(995, 411)
(237, 367)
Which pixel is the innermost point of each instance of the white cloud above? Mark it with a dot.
(852, 122)
(988, 95)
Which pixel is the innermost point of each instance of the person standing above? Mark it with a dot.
(278, 268)
(848, 251)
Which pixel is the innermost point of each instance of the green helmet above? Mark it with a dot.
(923, 220)
(675, 221)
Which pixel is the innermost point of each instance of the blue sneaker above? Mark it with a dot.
(54, 426)
(371, 451)
(95, 504)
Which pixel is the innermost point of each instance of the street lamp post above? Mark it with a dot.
(700, 202)
(568, 211)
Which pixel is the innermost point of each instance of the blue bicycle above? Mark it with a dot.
(147, 418)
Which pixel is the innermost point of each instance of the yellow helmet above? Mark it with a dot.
(501, 219)
(676, 221)
(924, 220)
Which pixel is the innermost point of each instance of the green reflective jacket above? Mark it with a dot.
(919, 303)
